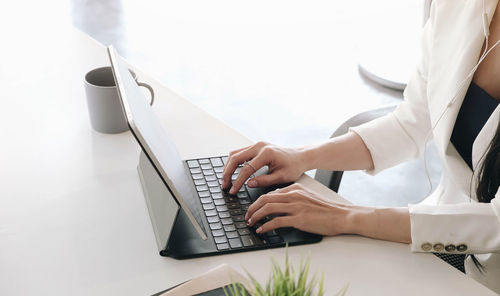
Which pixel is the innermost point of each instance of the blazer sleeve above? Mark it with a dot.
(470, 228)
(401, 135)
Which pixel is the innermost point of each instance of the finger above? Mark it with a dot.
(246, 171)
(303, 193)
(278, 222)
(272, 197)
(266, 180)
(271, 209)
(234, 161)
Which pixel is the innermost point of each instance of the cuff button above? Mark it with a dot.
(426, 247)
(450, 248)
(462, 248)
(438, 247)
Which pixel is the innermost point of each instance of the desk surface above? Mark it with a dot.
(72, 214)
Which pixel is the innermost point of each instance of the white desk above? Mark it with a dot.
(73, 218)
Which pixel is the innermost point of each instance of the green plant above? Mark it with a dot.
(285, 281)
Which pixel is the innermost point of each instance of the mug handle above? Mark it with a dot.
(150, 90)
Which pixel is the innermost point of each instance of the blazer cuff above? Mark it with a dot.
(467, 228)
(387, 142)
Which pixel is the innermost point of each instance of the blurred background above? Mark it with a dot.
(281, 71)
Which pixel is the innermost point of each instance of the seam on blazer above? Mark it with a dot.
(494, 204)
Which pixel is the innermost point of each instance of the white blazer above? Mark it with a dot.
(450, 217)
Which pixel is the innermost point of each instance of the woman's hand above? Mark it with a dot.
(285, 165)
(300, 208)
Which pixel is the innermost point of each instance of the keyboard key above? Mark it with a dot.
(205, 200)
(206, 167)
(217, 232)
(242, 195)
(218, 169)
(215, 226)
(219, 202)
(224, 159)
(213, 184)
(223, 246)
(247, 240)
(230, 198)
(220, 181)
(242, 189)
(195, 171)
(192, 164)
(199, 182)
(234, 177)
(233, 205)
(237, 170)
(217, 195)
(224, 214)
(204, 194)
(240, 225)
(210, 213)
(235, 243)
(208, 206)
(197, 176)
(220, 239)
(235, 212)
(232, 234)
(211, 178)
(201, 188)
(244, 231)
(244, 201)
(216, 162)
(219, 175)
(226, 221)
(208, 172)
(229, 227)
(213, 219)
(204, 161)
(244, 208)
(215, 189)
(238, 218)
(222, 209)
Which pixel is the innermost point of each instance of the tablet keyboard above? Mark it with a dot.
(226, 213)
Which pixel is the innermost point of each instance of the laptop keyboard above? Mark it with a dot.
(226, 213)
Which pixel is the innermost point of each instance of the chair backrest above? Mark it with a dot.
(332, 179)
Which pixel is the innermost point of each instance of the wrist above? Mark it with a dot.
(358, 219)
(308, 157)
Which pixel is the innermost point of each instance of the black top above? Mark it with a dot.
(475, 111)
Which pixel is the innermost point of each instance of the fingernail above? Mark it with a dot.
(252, 183)
(232, 191)
(259, 230)
(249, 221)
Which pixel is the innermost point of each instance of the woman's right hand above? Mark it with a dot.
(285, 165)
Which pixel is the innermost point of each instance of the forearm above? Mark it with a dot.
(346, 152)
(391, 224)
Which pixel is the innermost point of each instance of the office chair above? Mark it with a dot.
(391, 64)
(407, 180)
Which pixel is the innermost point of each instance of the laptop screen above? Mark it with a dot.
(156, 142)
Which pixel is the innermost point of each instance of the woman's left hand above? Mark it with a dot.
(298, 207)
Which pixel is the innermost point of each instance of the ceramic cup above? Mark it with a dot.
(105, 110)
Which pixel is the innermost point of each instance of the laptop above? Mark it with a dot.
(190, 213)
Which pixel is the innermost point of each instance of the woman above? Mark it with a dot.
(448, 99)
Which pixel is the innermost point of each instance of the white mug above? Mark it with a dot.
(105, 110)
